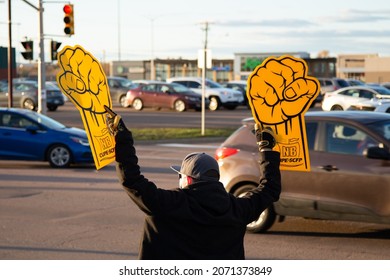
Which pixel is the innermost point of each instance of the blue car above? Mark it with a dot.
(28, 135)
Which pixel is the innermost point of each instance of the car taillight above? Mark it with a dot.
(224, 152)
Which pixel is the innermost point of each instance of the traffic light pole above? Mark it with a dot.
(41, 61)
(10, 66)
(41, 65)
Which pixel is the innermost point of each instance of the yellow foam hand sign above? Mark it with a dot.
(280, 92)
(82, 79)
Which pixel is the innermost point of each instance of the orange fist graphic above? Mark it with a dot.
(82, 79)
(280, 92)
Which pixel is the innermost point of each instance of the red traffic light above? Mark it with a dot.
(68, 9)
(69, 19)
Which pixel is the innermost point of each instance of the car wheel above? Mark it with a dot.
(214, 103)
(122, 101)
(138, 104)
(59, 156)
(29, 104)
(52, 108)
(336, 108)
(179, 105)
(267, 217)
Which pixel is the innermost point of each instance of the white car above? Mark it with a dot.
(344, 98)
(382, 105)
(218, 95)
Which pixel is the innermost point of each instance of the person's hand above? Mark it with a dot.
(114, 121)
(265, 138)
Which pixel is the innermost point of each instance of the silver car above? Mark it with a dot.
(350, 169)
(215, 93)
(25, 95)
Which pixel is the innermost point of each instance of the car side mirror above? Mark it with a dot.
(377, 153)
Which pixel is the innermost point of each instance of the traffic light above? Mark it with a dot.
(68, 19)
(54, 45)
(29, 48)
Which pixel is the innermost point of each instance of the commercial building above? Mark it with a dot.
(222, 70)
(366, 67)
(369, 68)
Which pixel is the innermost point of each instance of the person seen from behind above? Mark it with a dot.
(199, 220)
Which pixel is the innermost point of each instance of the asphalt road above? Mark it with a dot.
(149, 118)
(81, 213)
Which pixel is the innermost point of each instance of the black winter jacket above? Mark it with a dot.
(201, 222)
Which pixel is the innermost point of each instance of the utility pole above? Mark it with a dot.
(41, 61)
(204, 69)
(152, 67)
(119, 30)
(10, 66)
(41, 65)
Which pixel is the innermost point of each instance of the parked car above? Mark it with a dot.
(118, 89)
(343, 98)
(382, 105)
(218, 95)
(25, 95)
(332, 84)
(28, 135)
(54, 85)
(53, 93)
(354, 82)
(238, 86)
(350, 169)
(386, 85)
(383, 108)
(163, 95)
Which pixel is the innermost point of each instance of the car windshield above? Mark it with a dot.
(25, 86)
(342, 83)
(51, 86)
(212, 84)
(382, 90)
(179, 88)
(382, 127)
(46, 121)
(124, 82)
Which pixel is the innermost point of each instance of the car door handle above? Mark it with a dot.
(329, 167)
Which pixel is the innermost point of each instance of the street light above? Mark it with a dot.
(152, 66)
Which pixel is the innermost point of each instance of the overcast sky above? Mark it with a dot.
(132, 30)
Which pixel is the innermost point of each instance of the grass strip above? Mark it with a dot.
(178, 133)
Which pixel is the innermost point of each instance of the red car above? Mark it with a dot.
(163, 95)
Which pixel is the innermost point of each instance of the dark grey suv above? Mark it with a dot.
(118, 89)
(350, 169)
(25, 95)
(332, 84)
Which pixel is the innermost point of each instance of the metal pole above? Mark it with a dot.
(204, 69)
(10, 66)
(41, 65)
(152, 68)
(119, 30)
